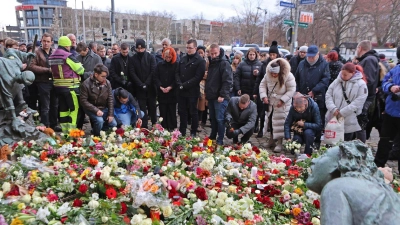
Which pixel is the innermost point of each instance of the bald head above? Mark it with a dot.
(73, 39)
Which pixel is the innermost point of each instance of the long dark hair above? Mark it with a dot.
(280, 74)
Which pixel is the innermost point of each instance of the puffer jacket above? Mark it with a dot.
(356, 91)
(244, 79)
(93, 99)
(392, 78)
(313, 78)
(334, 67)
(274, 95)
(311, 116)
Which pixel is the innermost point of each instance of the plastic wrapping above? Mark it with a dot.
(33, 163)
(141, 196)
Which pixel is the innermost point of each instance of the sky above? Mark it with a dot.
(183, 9)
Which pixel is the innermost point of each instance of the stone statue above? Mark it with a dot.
(12, 103)
(353, 190)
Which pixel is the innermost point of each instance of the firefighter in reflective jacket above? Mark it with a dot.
(66, 70)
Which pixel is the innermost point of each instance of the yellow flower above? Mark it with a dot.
(147, 154)
(105, 156)
(85, 173)
(296, 211)
(124, 145)
(21, 206)
(209, 143)
(17, 221)
(298, 191)
(33, 176)
(260, 177)
(287, 211)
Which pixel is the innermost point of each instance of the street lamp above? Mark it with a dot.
(265, 16)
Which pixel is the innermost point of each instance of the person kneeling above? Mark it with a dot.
(126, 109)
(304, 120)
(240, 118)
(97, 100)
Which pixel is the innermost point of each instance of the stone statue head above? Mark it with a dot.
(349, 159)
(26, 77)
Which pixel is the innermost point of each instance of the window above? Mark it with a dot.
(32, 22)
(47, 22)
(31, 34)
(31, 13)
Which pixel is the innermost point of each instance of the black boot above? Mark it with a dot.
(256, 128)
(261, 132)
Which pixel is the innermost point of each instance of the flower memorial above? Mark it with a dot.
(141, 177)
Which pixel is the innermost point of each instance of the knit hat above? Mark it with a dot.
(382, 56)
(336, 49)
(140, 43)
(201, 47)
(303, 48)
(64, 41)
(274, 48)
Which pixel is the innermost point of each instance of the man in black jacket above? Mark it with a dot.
(312, 79)
(369, 60)
(191, 70)
(240, 117)
(218, 85)
(119, 70)
(141, 70)
(295, 60)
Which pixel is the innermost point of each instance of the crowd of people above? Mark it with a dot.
(240, 94)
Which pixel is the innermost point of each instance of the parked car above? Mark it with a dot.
(251, 45)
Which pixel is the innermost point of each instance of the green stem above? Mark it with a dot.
(180, 216)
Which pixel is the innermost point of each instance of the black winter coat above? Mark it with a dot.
(294, 63)
(219, 79)
(141, 71)
(119, 64)
(164, 76)
(334, 68)
(189, 74)
(313, 78)
(263, 71)
(245, 80)
(370, 63)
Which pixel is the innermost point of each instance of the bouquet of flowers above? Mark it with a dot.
(292, 146)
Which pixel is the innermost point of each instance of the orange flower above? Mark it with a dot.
(43, 156)
(248, 222)
(147, 184)
(296, 211)
(298, 191)
(154, 188)
(93, 161)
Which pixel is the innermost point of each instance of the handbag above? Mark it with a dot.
(267, 105)
(362, 119)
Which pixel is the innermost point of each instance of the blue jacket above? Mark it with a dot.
(392, 78)
(313, 78)
(310, 115)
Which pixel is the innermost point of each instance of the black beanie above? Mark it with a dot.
(398, 54)
(274, 48)
(141, 43)
(202, 48)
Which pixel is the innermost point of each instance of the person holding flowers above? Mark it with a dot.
(303, 120)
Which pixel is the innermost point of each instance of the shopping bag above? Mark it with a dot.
(334, 131)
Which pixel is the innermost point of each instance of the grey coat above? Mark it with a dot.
(88, 62)
(247, 117)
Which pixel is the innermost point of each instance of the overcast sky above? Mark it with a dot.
(183, 9)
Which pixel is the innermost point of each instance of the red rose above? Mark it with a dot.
(124, 208)
(201, 193)
(111, 193)
(52, 197)
(97, 176)
(64, 219)
(287, 162)
(83, 188)
(120, 131)
(236, 181)
(316, 203)
(77, 203)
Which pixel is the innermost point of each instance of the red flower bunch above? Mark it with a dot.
(97, 176)
(124, 208)
(197, 149)
(316, 203)
(256, 150)
(14, 191)
(120, 131)
(77, 203)
(111, 193)
(271, 191)
(83, 188)
(288, 162)
(236, 181)
(236, 159)
(52, 197)
(201, 193)
(266, 201)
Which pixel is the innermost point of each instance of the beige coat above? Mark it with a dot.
(284, 93)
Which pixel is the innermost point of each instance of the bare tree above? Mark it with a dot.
(55, 26)
(249, 19)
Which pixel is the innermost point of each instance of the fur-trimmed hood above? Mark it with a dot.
(285, 66)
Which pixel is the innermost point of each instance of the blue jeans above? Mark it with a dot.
(129, 118)
(100, 122)
(217, 117)
(307, 138)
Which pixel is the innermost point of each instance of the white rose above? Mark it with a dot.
(37, 200)
(315, 221)
(300, 182)
(6, 187)
(104, 219)
(222, 195)
(166, 211)
(137, 219)
(160, 119)
(26, 198)
(146, 222)
(93, 204)
(95, 196)
(114, 128)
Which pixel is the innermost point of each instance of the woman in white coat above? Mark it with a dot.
(351, 81)
(277, 89)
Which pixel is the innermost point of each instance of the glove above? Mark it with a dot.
(227, 123)
(236, 132)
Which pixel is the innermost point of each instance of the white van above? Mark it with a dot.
(390, 53)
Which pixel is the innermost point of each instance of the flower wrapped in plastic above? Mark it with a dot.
(149, 191)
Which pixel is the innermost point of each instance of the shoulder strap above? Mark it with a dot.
(272, 89)
(344, 94)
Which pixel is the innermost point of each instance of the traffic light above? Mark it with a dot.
(106, 40)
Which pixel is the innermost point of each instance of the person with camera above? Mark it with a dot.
(391, 118)
(240, 118)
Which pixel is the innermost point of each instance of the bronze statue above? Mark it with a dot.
(12, 81)
(353, 190)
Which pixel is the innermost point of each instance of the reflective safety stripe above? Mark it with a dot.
(60, 71)
(72, 114)
(71, 82)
